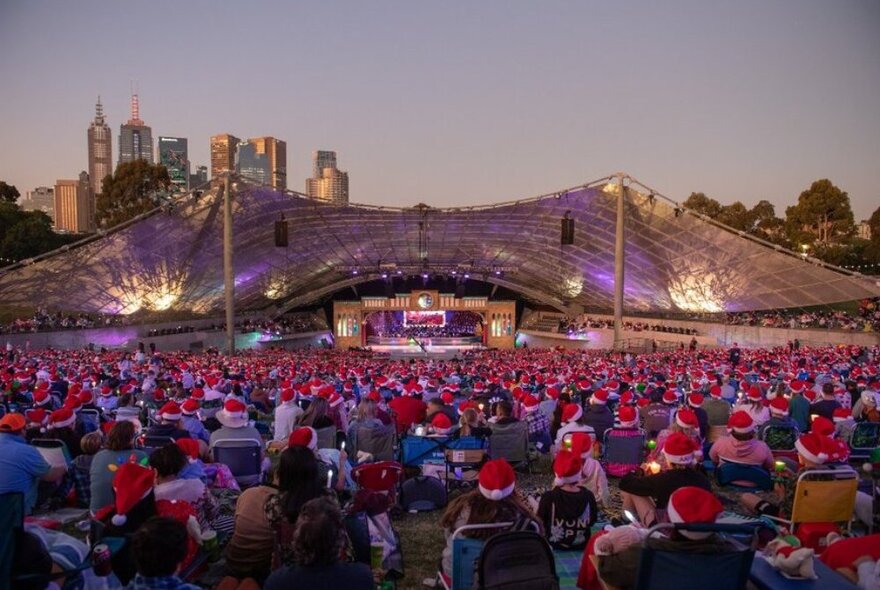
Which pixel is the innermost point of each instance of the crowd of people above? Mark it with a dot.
(584, 323)
(867, 320)
(295, 323)
(391, 325)
(142, 432)
(44, 321)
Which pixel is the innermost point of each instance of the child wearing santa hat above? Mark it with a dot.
(684, 422)
(570, 423)
(592, 474)
(569, 509)
(741, 446)
(627, 427)
(495, 500)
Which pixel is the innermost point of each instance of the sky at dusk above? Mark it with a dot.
(456, 103)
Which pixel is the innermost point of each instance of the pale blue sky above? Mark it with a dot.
(456, 102)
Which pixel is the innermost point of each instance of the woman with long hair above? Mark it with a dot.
(317, 415)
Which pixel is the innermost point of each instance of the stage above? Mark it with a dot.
(444, 348)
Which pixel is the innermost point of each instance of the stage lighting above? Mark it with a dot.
(497, 272)
(467, 275)
(566, 237)
(354, 272)
(384, 275)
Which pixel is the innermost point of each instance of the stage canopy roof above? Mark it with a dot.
(676, 260)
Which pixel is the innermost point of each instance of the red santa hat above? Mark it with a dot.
(695, 400)
(305, 436)
(680, 449)
(779, 406)
(838, 451)
(131, 484)
(447, 398)
(170, 412)
(600, 396)
(106, 391)
(441, 423)
(62, 418)
(41, 397)
(552, 393)
(813, 447)
(37, 417)
(334, 400)
(197, 393)
(686, 418)
(189, 446)
(628, 416)
(234, 414)
(572, 413)
(798, 386)
(468, 405)
(669, 397)
(581, 444)
(741, 422)
(374, 396)
(693, 505)
(822, 426)
(497, 479)
(567, 467)
(841, 415)
(287, 395)
(715, 391)
(189, 407)
(755, 394)
(529, 403)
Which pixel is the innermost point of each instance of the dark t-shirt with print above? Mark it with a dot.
(567, 517)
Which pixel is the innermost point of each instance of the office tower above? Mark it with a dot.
(263, 160)
(223, 148)
(173, 155)
(329, 183)
(41, 198)
(199, 177)
(322, 159)
(135, 137)
(100, 149)
(74, 205)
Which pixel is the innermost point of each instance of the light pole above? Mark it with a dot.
(619, 242)
(228, 271)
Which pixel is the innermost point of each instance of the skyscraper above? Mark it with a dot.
(41, 198)
(100, 149)
(135, 137)
(223, 149)
(329, 183)
(75, 205)
(173, 155)
(263, 160)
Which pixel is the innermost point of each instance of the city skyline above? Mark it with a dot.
(477, 104)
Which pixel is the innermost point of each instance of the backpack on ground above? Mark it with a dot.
(423, 494)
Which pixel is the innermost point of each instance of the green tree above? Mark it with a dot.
(700, 203)
(8, 192)
(822, 216)
(737, 216)
(134, 188)
(765, 224)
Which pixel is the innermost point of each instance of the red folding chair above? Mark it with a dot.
(377, 485)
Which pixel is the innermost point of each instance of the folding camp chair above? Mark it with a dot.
(148, 444)
(326, 437)
(517, 560)
(91, 420)
(53, 450)
(729, 472)
(378, 442)
(663, 567)
(865, 438)
(622, 451)
(823, 495)
(511, 442)
(380, 479)
(242, 456)
(781, 440)
(465, 552)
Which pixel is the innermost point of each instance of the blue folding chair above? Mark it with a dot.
(865, 438)
(727, 473)
(243, 457)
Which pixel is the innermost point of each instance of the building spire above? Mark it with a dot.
(99, 111)
(135, 111)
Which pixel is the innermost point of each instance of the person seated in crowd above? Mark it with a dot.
(338, 413)
(741, 446)
(472, 423)
(827, 404)
(592, 474)
(717, 409)
(495, 500)
(37, 420)
(317, 415)
(32, 564)
(317, 544)
(628, 419)
(844, 424)
(865, 408)
(695, 402)
(159, 548)
(779, 419)
(381, 407)
(503, 415)
(440, 425)
(235, 424)
(753, 405)
(168, 462)
(191, 422)
(62, 426)
(538, 423)
(169, 423)
(81, 468)
(571, 416)
(119, 450)
(598, 416)
(287, 413)
(647, 495)
(22, 466)
(657, 415)
(299, 480)
(438, 404)
(250, 549)
(685, 422)
(620, 550)
(568, 510)
(330, 459)
(855, 558)
(364, 417)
